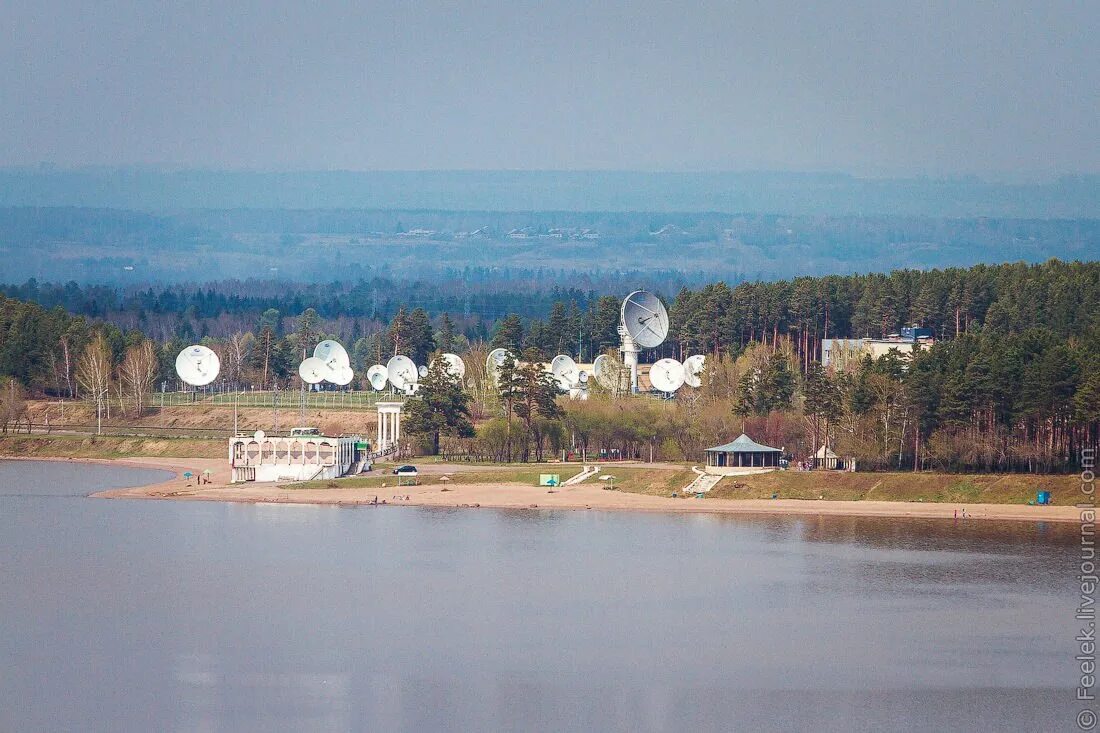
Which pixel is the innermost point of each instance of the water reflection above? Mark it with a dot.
(20, 478)
(138, 615)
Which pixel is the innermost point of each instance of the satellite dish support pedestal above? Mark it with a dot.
(629, 352)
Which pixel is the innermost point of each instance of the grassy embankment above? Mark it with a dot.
(526, 474)
(661, 482)
(87, 446)
(202, 416)
(833, 486)
(901, 486)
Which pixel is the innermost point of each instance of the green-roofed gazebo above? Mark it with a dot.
(743, 453)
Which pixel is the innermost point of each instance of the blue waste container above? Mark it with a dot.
(1043, 497)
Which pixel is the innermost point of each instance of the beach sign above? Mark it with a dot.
(549, 479)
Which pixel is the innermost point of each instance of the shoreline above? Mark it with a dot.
(579, 497)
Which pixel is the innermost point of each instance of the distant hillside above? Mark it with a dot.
(809, 194)
(546, 249)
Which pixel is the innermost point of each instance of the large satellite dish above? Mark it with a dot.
(564, 370)
(377, 376)
(401, 371)
(455, 366)
(197, 365)
(667, 375)
(645, 319)
(314, 371)
(342, 375)
(693, 370)
(332, 353)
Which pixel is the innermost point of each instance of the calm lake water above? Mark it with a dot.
(189, 616)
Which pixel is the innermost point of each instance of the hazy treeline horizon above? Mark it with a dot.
(599, 250)
(825, 193)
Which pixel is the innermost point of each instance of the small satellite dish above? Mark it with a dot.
(582, 377)
(693, 369)
(377, 376)
(565, 370)
(197, 365)
(494, 362)
(455, 365)
(602, 370)
(667, 375)
(342, 375)
(259, 435)
(422, 370)
(314, 371)
(401, 371)
(332, 353)
(644, 317)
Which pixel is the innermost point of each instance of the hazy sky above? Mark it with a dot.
(872, 87)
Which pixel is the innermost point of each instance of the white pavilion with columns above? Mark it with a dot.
(389, 424)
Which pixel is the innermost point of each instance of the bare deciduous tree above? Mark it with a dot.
(237, 350)
(13, 407)
(93, 373)
(138, 371)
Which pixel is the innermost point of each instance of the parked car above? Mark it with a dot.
(405, 469)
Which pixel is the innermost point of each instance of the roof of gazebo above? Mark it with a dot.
(743, 444)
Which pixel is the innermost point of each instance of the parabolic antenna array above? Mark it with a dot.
(608, 373)
(667, 375)
(342, 375)
(329, 363)
(455, 365)
(197, 365)
(402, 373)
(643, 324)
(332, 353)
(494, 361)
(565, 371)
(377, 376)
(313, 370)
(693, 370)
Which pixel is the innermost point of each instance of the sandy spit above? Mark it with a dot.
(585, 496)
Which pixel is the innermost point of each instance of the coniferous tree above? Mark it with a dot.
(508, 334)
(398, 333)
(445, 337)
(535, 397)
(440, 407)
(419, 341)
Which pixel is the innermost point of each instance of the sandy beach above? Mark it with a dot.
(584, 496)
